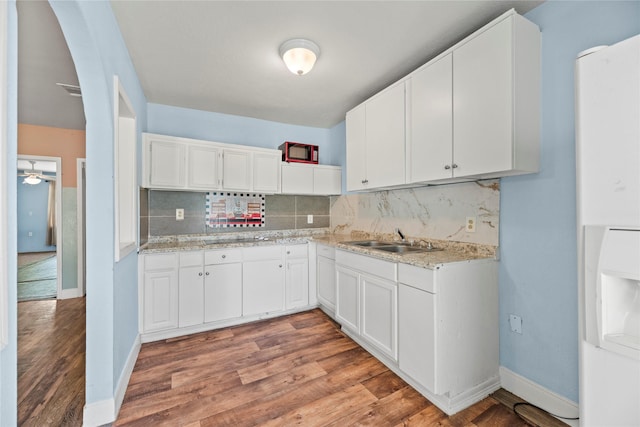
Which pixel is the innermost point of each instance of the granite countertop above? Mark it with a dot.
(229, 240)
(451, 251)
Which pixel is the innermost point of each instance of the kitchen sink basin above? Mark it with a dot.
(399, 248)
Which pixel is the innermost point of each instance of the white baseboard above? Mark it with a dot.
(106, 411)
(123, 381)
(98, 413)
(70, 293)
(539, 396)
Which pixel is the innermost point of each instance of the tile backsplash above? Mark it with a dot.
(282, 212)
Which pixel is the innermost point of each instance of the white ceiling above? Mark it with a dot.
(222, 56)
(39, 165)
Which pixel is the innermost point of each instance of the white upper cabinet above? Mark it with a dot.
(376, 141)
(473, 112)
(236, 170)
(496, 91)
(301, 178)
(430, 113)
(167, 161)
(172, 163)
(202, 167)
(266, 171)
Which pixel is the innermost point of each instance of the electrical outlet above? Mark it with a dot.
(515, 322)
(470, 225)
(179, 214)
(31, 234)
(309, 219)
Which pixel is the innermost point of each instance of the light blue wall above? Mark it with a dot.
(99, 53)
(8, 355)
(538, 267)
(32, 217)
(187, 123)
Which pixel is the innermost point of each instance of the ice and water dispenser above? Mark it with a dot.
(612, 288)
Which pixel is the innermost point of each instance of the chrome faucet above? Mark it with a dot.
(400, 234)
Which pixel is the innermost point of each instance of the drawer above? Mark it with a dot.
(297, 251)
(378, 267)
(417, 277)
(190, 259)
(326, 251)
(260, 253)
(223, 256)
(160, 261)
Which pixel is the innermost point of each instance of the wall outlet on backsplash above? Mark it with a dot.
(309, 219)
(471, 224)
(179, 214)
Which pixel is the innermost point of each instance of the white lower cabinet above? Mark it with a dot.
(380, 314)
(449, 327)
(326, 276)
(367, 301)
(160, 290)
(296, 276)
(222, 285)
(263, 280)
(191, 289)
(348, 298)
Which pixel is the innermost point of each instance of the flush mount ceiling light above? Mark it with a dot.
(299, 55)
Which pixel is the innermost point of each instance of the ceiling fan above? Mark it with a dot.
(33, 176)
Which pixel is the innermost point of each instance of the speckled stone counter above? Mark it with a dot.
(451, 251)
(230, 240)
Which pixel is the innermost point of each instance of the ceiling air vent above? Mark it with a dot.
(73, 90)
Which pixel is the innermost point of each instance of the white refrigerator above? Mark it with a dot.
(608, 220)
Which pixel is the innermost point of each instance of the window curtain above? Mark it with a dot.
(51, 215)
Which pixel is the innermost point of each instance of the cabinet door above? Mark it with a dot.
(380, 314)
(356, 125)
(160, 300)
(297, 283)
(236, 170)
(327, 282)
(297, 179)
(203, 170)
(262, 287)
(166, 164)
(347, 298)
(191, 307)
(266, 172)
(483, 102)
(430, 139)
(327, 181)
(385, 136)
(222, 292)
(417, 325)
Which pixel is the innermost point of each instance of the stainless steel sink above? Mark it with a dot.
(399, 248)
(369, 243)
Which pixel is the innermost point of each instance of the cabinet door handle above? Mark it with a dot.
(280, 266)
(207, 273)
(200, 274)
(447, 167)
(365, 181)
(454, 166)
(224, 256)
(288, 252)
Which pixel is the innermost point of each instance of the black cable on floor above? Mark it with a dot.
(515, 405)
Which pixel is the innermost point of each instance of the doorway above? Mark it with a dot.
(39, 209)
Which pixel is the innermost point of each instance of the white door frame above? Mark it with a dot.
(81, 164)
(58, 161)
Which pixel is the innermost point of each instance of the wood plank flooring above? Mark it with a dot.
(51, 362)
(293, 370)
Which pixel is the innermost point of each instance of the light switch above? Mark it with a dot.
(179, 214)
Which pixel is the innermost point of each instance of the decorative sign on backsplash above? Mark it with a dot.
(234, 210)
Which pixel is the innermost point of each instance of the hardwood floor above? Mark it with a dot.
(51, 362)
(294, 370)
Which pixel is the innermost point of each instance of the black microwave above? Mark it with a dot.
(299, 153)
